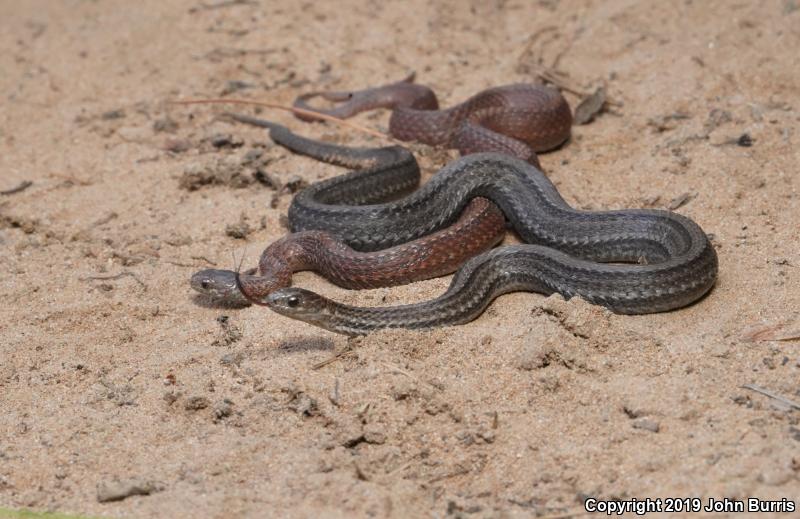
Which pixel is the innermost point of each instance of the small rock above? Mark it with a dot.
(239, 231)
(226, 140)
(487, 435)
(230, 358)
(647, 424)
(235, 85)
(590, 106)
(681, 200)
(744, 140)
(303, 404)
(403, 389)
(225, 171)
(536, 354)
(717, 117)
(373, 433)
(170, 397)
(118, 490)
(663, 123)
(177, 145)
(295, 184)
(223, 409)
(113, 114)
(196, 403)
(229, 332)
(268, 179)
(776, 476)
(252, 156)
(165, 125)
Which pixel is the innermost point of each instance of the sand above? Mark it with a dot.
(115, 380)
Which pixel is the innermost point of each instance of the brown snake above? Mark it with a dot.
(480, 227)
(517, 120)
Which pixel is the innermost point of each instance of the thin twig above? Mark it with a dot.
(774, 396)
(309, 113)
(460, 471)
(333, 358)
(21, 187)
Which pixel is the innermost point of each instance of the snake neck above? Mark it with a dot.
(278, 262)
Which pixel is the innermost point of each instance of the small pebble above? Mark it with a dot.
(226, 140)
(113, 114)
(745, 140)
(165, 125)
(196, 403)
(223, 409)
(647, 424)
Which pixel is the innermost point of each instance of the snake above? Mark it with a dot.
(519, 119)
(480, 226)
(631, 261)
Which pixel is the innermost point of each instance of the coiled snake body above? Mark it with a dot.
(388, 172)
(631, 261)
(518, 119)
(667, 259)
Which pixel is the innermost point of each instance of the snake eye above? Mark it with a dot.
(293, 301)
(204, 284)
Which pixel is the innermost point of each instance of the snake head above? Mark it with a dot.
(301, 304)
(218, 285)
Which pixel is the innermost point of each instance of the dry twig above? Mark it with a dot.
(21, 187)
(775, 396)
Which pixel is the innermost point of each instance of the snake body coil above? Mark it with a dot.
(628, 289)
(669, 261)
(479, 227)
(517, 120)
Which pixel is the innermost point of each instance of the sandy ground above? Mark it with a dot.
(113, 374)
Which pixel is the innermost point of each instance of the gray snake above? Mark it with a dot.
(631, 261)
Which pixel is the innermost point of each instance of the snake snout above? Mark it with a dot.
(214, 283)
